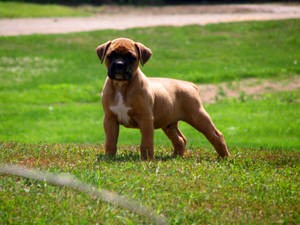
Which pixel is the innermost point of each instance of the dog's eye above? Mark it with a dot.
(112, 55)
(130, 57)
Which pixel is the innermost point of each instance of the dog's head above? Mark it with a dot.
(122, 57)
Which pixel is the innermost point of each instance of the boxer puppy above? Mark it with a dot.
(131, 99)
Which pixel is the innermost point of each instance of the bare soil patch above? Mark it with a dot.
(211, 93)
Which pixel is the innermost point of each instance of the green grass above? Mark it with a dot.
(50, 92)
(252, 187)
(23, 10)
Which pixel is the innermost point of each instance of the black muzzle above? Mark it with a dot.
(119, 70)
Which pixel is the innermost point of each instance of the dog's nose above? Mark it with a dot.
(119, 64)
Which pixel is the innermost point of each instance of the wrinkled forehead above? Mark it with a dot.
(123, 46)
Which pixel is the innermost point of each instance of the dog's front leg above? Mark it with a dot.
(146, 147)
(111, 128)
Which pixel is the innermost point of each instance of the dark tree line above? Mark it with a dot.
(147, 2)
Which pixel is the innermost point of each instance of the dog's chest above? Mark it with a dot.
(120, 109)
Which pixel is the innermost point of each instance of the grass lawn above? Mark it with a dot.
(255, 186)
(23, 10)
(50, 92)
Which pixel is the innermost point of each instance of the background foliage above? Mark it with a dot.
(142, 2)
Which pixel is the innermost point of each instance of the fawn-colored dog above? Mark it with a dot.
(133, 100)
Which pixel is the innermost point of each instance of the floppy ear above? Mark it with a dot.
(102, 49)
(144, 52)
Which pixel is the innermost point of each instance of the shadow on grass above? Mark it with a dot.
(131, 153)
(134, 157)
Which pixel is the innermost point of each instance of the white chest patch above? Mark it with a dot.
(121, 110)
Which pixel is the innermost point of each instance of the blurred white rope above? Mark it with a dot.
(70, 181)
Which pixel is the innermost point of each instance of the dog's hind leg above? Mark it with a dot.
(201, 121)
(177, 138)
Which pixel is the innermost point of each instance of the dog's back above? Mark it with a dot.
(172, 98)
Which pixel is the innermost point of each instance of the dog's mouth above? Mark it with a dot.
(126, 75)
(119, 77)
